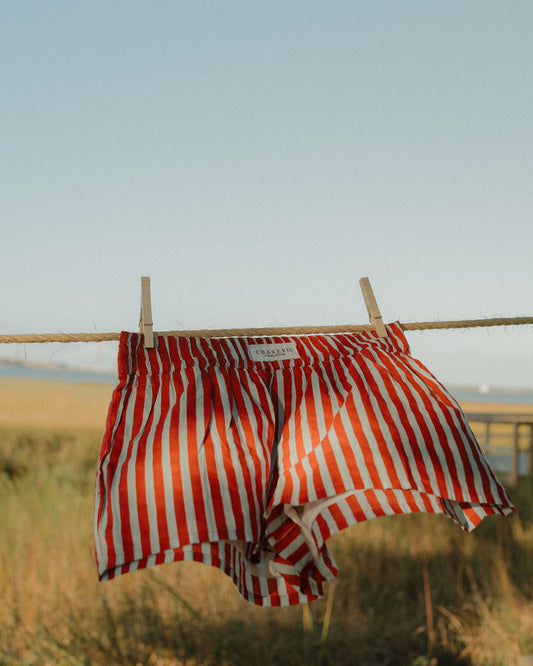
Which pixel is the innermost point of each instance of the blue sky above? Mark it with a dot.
(257, 158)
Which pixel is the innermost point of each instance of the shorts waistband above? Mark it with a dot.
(174, 354)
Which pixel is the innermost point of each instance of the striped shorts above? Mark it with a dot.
(248, 453)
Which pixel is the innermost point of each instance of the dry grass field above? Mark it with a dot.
(412, 590)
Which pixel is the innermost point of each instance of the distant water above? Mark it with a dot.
(55, 373)
(506, 396)
(501, 463)
(460, 393)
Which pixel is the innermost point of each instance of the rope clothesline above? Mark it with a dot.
(290, 330)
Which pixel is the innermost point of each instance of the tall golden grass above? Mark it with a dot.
(412, 590)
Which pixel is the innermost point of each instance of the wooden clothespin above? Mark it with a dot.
(146, 326)
(372, 306)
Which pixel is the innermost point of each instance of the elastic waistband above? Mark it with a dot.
(171, 354)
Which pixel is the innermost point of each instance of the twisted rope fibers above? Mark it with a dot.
(290, 330)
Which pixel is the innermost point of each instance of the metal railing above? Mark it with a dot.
(505, 434)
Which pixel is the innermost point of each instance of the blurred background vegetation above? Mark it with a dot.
(412, 589)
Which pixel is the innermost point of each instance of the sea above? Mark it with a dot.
(55, 372)
(486, 394)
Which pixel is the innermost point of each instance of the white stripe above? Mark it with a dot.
(323, 429)
(470, 444)
(392, 399)
(252, 399)
(218, 448)
(366, 427)
(231, 406)
(200, 350)
(115, 489)
(331, 523)
(366, 507)
(103, 501)
(411, 378)
(183, 453)
(384, 503)
(201, 457)
(403, 391)
(286, 441)
(306, 440)
(347, 513)
(131, 474)
(291, 422)
(258, 451)
(166, 468)
(235, 360)
(353, 442)
(151, 504)
(460, 424)
(199, 392)
(101, 543)
(390, 444)
(342, 414)
(438, 407)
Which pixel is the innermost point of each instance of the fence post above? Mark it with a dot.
(514, 462)
(530, 457)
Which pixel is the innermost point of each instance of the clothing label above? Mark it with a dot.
(274, 351)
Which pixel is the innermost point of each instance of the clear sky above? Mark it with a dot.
(257, 158)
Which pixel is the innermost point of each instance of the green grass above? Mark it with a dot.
(412, 590)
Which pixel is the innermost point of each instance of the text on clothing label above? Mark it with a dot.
(275, 351)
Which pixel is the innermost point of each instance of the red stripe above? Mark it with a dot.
(243, 451)
(408, 495)
(360, 379)
(193, 446)
(293, 391)
(395, 383)
(404, 438)
(208, 450)
(319, 490)
(357, 510)
(258, 455)
(140, 478)
(159, 484)
(125, 518)
(182, 390)
(422, 421)
(361, 436)
(368, 387)
(222, 428)
(119, 399)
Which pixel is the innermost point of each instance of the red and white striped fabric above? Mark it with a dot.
(248, 453)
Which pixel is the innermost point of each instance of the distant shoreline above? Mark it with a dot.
(48, 372)
(44, 372)
(494, 395)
